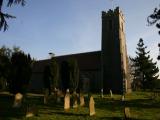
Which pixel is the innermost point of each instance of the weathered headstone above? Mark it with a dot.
(75, 100)
(123, 98)
(46, 93)
(102, 93)
(82, 102)
(127, 114)
(58, 96)
(31, 111)
(67, 101)
(18, 100)
(111, 95)
(91, 107)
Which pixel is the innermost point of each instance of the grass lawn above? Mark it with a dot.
(140, 103)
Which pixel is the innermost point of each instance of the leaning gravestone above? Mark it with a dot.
(111, 93)
(127, 114)
(82, 103)
(31, 111)
(67, 101)
(18, 100)
(91, 107)
(75, 100)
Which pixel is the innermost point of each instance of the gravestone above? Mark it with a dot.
(91, 107)
(102, 93)
(59, 96)
(127, 114)
(46, 93)
(18, 100)
(75, 100)
(31, 111)
(111, 95)
(67, 101)
(123, 98)
(82, 103)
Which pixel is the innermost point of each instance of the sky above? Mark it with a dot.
(74, 26)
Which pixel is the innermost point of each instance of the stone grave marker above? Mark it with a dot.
(31, 111)
(67, 101)
(75, 100)
(82, 102)
(111, 95)
(58, 96)
(127, 113)
(91, 107)
(102, 96)
(123, 98)
(46, 92)
(18, 100)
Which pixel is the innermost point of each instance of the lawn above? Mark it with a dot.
(140, 103)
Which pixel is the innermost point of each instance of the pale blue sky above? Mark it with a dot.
(74, 26)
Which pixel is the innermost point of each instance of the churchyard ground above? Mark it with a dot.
(141, 105)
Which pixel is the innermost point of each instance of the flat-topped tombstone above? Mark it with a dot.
(75, 100)
(67, 101)
(127, 114)
(91, 107)
(82, 103)
(31, 111)
(18, 100)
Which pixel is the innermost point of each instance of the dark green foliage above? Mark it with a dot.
(145, 70)
(5, 54)
(21, 72)
(54, 72)
(65, 75)
(4, 16)
(51, 75)
(47, 78)
(154, 18)
(74, 74)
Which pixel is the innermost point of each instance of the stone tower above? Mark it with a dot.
(114, 54)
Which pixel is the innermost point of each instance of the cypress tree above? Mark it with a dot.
(146, 71)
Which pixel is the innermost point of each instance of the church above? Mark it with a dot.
(106, 69)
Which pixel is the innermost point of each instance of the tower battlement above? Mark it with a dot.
(114, 12)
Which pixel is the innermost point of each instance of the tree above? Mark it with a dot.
(74, 74)
(154, 18)
(146, 71)
(4, 16)
(5, 54)
(21, 66)
(47, 78)
(54, 69)
(65, 75)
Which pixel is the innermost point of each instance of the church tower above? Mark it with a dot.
(114, 57)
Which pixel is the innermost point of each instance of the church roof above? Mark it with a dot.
(86, 61)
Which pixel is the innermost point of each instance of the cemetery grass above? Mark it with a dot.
(140, 103)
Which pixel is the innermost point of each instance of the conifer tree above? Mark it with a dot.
(54, 72)
(74, 74)
(146, 71)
